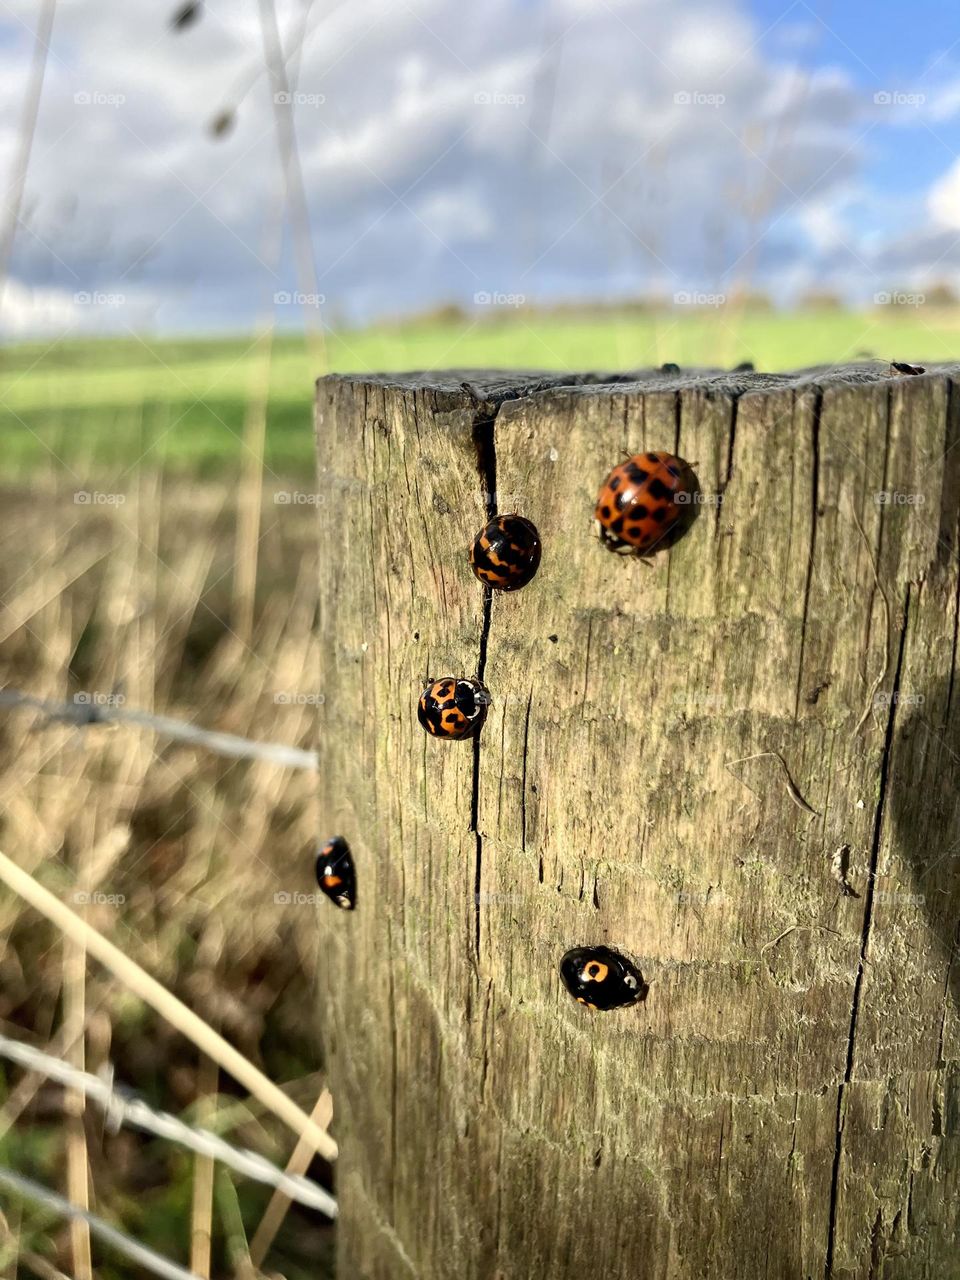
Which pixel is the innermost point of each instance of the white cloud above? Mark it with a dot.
(570, 147)
(703, 49)
(26, 311)
(457, 213)
(945, 105)
(826, 224)
(943, 200)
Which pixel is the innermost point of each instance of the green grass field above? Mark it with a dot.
(95, 405)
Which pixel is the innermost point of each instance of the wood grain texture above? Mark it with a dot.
(786, 1102)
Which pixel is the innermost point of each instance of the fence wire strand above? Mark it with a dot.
(120, 1108)
(82, 714)
(26, 1189)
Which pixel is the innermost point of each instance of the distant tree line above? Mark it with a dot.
(448, 314)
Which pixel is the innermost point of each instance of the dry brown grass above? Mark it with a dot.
(179, 852)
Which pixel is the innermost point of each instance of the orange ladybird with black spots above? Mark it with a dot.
(505, 554)
(453, 707)
(646, 504)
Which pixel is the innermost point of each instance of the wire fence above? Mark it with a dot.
(120, 1107)
(27, 1189)
(83, 714)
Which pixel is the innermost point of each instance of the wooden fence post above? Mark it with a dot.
(786, 1101)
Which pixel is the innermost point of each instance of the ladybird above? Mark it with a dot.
(506, 553)
(336, 874)
(453, 707)
(601, 978)
(646, 504)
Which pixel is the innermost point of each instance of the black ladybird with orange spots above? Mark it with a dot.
(601, 978)
(646, 504)
(506, 552)
(336, 874)
(453, 707)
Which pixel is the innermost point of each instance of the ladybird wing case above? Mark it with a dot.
(453, 707)
(505, 554)
(336, 873)
(646, 504)
(601, 978)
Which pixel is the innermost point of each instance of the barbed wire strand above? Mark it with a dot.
(224, 744)
(26, 1189)
(121, 1108)
(167, 1005)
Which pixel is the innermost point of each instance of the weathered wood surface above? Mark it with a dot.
(786, 1102)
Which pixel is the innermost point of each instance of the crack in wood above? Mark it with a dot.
(523, 779)
(864, 942)
(953, 408)
(483, 438)
(728, 472)
(814, 504)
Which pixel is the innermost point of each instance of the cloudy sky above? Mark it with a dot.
(554, 149)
